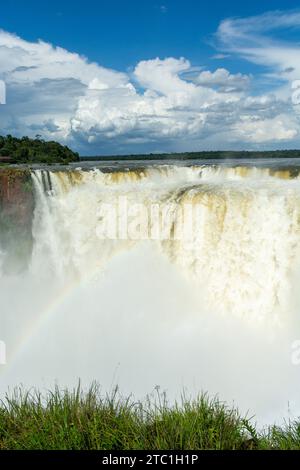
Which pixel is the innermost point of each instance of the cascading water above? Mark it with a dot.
(191, 284)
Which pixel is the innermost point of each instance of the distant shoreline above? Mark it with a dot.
(111, 165)
(203, 155)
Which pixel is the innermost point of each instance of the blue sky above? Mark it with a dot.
(132, 76)
(120, 33)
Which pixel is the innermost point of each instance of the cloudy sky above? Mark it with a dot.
(116, 77)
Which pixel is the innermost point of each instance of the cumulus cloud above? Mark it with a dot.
(255, 130)
(29, 62)
(223, 80)
(164, 104)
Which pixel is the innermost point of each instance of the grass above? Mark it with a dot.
(87, 421)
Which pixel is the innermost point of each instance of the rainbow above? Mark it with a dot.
(51, 308)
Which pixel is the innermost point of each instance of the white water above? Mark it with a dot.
(217, 312)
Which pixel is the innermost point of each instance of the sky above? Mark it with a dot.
(119, 77)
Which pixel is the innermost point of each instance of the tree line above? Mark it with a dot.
(203, 155)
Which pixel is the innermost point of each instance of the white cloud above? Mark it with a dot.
(256, 130)
(220, 56)
(165, 104)
(163, 75)
(28, 62)
(257, 39)
(222, 79)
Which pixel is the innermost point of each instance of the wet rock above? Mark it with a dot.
(16, 216)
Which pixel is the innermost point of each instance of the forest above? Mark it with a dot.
(26, 150)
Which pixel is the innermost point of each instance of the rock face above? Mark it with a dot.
(16, 195)
(16, 215)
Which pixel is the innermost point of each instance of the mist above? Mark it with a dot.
(144, 314)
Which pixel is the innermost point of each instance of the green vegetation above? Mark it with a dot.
(78, 421)
(16, 214)
(27, 150)
(205, 155)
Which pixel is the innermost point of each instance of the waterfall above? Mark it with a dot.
(240, 248)
(184, 277)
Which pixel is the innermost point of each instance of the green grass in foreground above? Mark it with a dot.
(83, 421)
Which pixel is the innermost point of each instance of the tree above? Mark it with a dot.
(36, 150)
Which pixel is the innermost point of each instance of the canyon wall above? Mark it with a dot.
(16, 215)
